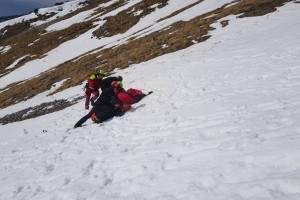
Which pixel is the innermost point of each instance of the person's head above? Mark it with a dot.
(120, 78)
(93, 77)
(120, 84)
(101, 73)
(115, 84)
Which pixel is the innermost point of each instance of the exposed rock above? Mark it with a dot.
(33, 112)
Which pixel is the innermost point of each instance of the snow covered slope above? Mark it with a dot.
(86, 42)
(222, 123)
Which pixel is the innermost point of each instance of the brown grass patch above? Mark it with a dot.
(180, 10)
(22, 34)
(126, 19)
(39, 47)
(111, 7)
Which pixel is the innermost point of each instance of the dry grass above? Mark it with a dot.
(126, 19)
(179, 36)
(22, 34)
(180, 10)
(39, 47)
(111, 7)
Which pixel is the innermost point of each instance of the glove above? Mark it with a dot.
(126, 107)
(117, 106)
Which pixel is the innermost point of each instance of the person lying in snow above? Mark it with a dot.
(107, 106)
(92, 86)
(131, 96)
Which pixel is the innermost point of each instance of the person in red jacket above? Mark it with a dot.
(131, 96)
(92, 86)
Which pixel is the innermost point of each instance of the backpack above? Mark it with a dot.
(136, 94)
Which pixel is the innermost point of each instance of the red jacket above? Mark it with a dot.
(93, 85)
(126, 98)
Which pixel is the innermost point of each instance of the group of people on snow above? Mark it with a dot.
(114, 100)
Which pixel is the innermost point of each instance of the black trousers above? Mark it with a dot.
(102, 111)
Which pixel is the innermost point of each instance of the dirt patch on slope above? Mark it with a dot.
(126, 19)
(32, 43)
(33, 112)
(180, 10)
(35, 41)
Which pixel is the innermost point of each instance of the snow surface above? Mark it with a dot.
(16, 62)
(60, 10)
(4, 49)
(67, 8)
(222, 123)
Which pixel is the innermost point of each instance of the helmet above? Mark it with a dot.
(114, 84)
(120, 84)
(120, 78)
(93, 77)
(101, 72)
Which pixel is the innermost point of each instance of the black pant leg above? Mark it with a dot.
(85, 118)
(105, 113)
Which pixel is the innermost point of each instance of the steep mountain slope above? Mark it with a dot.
(71, 41)
(222, 123)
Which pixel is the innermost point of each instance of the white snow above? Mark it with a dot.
(59, 11)
(164, 46)
(4, 49)
(137, 13)
(80, 17)
(16, 62)
(222, 123)
(17, 20)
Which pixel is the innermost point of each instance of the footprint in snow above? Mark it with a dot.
(87, 170)
(49, 169)
(67, 180)
(64, 139)
(19, 190)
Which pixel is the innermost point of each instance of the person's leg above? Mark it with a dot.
(105, 113)
(87, 99)
(84, 118)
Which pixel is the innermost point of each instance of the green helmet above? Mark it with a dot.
(101, 72)
(120, 84)
(93, 77)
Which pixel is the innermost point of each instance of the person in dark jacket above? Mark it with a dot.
(107, 106)
(106, 82)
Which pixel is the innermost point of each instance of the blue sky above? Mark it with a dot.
(19, 7)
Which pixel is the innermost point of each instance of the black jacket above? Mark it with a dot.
(108, 97)
(107, 82)
(104, 107)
